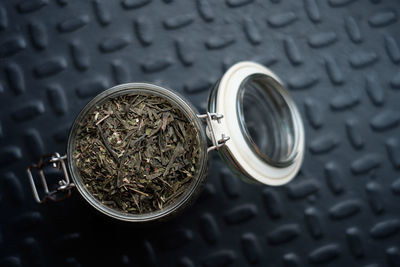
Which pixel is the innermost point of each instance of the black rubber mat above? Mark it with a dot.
(339, 58)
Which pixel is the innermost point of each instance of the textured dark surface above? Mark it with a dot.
(339, 58)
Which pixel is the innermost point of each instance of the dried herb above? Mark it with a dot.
(136, 153)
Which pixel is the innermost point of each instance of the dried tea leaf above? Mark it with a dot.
(148, 131)
(136, 153)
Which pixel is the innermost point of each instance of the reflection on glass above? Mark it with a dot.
(266, 119)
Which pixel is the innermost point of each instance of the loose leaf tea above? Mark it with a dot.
(136, 153)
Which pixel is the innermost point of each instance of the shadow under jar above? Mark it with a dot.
(251, 121)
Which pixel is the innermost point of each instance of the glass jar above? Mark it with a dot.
(251, 121)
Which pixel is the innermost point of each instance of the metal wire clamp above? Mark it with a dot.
(63, 191)
(209, 117)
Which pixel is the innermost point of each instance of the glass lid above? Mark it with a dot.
(266, 132)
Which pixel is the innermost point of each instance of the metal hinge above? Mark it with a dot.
(209, 117)
(63, 190)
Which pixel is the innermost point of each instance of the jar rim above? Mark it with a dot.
(189, 111)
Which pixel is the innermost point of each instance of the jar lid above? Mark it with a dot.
(266, 132)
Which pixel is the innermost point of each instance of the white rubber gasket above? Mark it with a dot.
(246, 160)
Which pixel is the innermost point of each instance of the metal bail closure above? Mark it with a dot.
(264, 125)
(63, 191)
(209, 118)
